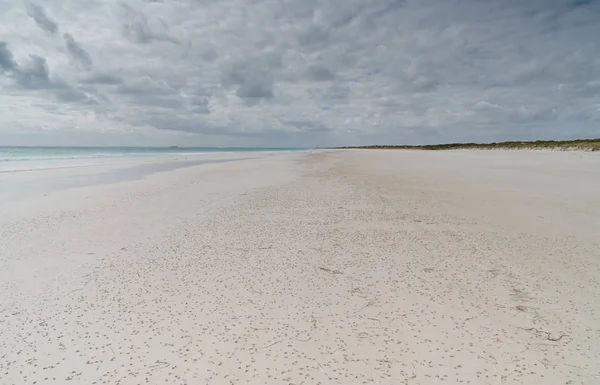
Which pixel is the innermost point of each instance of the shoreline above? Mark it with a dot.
(32, 177)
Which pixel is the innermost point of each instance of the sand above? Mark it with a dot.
(341, 267)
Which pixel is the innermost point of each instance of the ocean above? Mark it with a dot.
(29, 171)
(12, 154)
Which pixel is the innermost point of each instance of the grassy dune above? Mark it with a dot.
(579, 144)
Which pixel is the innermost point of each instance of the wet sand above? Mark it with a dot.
(343, 267)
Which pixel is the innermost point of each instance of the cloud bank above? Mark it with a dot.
(297, 73)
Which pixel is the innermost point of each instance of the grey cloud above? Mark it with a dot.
(412, 75)
(314, 37)
(138, 29)
(92, 93)
(274, 58)
(193, 123)
(253, 77)
(589, 89)
(319, 73)
(140, 32)
(235, 74)
(7, 62)
(199, 100)
(36, 75)
(72, 95)
(331, 95)
(197, 125)
(245, 70)
(340, 17)
(77, 52)
(255, 89)
(295, 10)
(160, 101)
(103, 78)
(209, 55)
(146, 91)
(200, 110)
(199, 104)
(38, 14)
(423, 84)
(337, 92)
(316, 68)
(307, 125)
(146, 85)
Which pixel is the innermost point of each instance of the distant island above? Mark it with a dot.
(565, 145)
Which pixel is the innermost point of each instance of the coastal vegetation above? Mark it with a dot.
(564, 145)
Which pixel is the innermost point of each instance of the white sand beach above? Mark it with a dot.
(333, 267)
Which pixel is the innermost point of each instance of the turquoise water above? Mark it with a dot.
(8, 154)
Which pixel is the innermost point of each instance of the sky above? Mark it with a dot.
(297, 72)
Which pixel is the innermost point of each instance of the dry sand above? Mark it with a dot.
(350, 267)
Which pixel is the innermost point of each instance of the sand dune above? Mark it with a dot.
(342, 267)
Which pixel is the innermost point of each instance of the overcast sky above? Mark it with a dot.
(297, 72)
